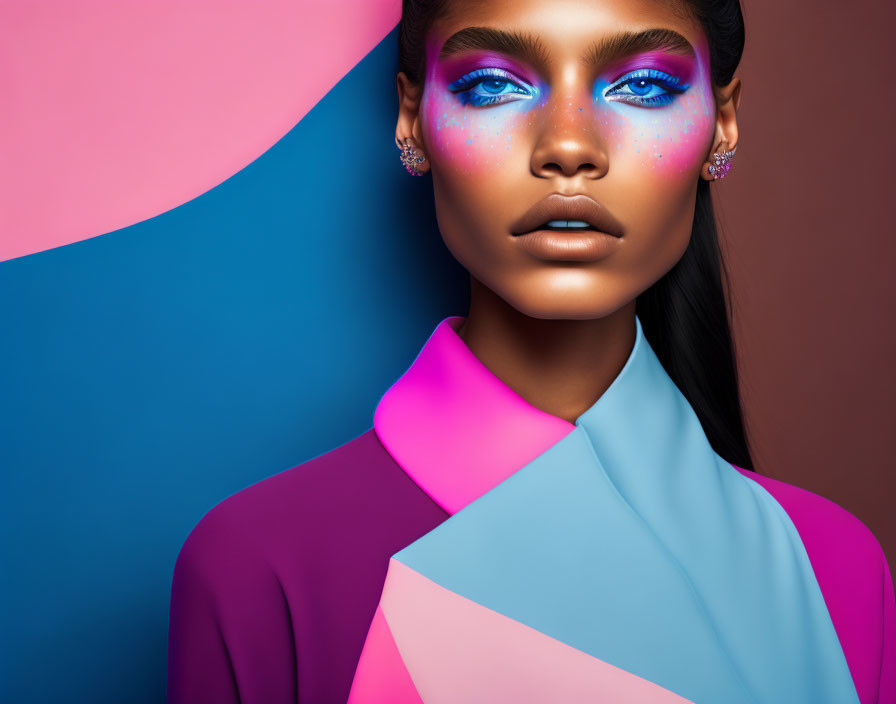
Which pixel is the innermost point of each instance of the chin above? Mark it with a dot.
(565, 300)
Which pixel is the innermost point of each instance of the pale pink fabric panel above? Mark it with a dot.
(459, 651)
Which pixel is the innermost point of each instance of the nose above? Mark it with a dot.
(569, 143)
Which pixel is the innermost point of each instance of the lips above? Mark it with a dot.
(559, 208)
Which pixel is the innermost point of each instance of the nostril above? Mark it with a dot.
(552, 167)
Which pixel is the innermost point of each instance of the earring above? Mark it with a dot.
(721, 163)
(410, 157)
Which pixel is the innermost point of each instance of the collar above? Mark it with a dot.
(456, 429)
(627, 530)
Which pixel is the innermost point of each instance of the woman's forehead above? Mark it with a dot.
(566, 27)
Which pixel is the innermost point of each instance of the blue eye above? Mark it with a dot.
(647, 87)
(487, 86)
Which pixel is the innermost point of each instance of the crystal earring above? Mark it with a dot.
(410, 157)
(721, 163)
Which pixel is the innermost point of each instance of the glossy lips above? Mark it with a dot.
(532, 233)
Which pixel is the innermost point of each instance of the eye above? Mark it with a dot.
(647, 87)
(488, 86)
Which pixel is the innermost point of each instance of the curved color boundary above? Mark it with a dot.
(124, 111)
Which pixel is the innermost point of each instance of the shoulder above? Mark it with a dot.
(824, 523)
(854, 578)
(848, 562)
(253, 560)
(298, 510)
(353, 501)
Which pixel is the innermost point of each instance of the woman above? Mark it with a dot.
(556, 501)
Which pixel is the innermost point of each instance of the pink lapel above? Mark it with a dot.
(455, 428)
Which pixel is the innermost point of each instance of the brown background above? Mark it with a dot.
(807, 218)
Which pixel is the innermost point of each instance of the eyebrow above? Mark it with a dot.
(604, 51)
(519, 44)
(620, 46)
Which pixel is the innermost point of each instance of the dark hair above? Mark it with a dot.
(684, 315)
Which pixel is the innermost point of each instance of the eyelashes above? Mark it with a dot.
(488, 86)
(646, 87)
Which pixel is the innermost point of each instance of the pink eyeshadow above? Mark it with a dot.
(679, 66)
(670, 139)
(456, 68)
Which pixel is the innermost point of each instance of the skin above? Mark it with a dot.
(559, 332)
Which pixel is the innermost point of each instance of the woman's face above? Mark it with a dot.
(603, 108)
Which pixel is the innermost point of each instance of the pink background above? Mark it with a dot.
(121, 110)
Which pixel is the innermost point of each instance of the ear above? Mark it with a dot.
(408, 125)
(725, 137)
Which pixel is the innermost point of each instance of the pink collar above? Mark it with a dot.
(455, 428)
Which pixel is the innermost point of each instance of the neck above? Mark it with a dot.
(559, 366)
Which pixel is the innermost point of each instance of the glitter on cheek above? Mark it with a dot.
(471, 139)
(668, 140)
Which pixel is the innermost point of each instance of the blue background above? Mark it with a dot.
(149, 373)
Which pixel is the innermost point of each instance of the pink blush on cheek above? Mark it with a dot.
(463, 138)
(471, 140)
(675, 139)
(670, 140)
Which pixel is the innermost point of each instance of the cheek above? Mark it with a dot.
(665, 142)
(473, 141)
